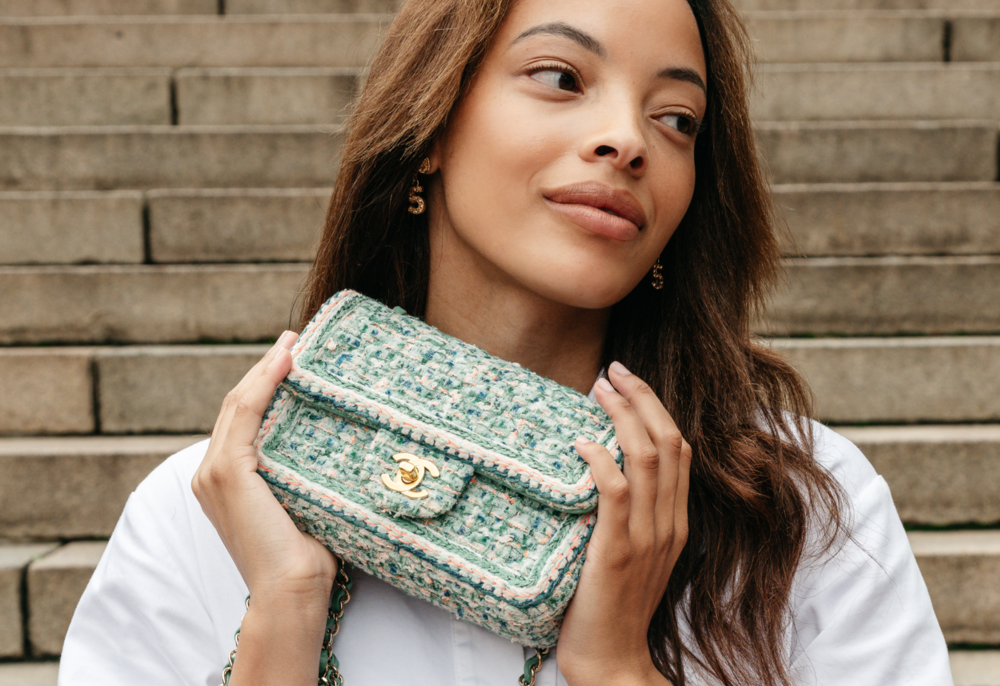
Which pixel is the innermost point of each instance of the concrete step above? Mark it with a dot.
(67, 97)
(29, 673)
(66, 227)
(886, 296)
(47, 391)
(828, 5)
(975, 667)
(326, 40)
(251, 302)
(975, 37)
(102, 158)
(890, 218)
(957, 90)
(43, 8)
(941, 475)
(87, 481)
(133, 303)
(880, 151)
(236, 225)
(318, 95)
(98, 158)
(283, 225)
(309, 6)
(190, 41)
(297, 95)
(179, 389)
(900, 380)
(962, 572)
(14, 559)
(55, 584)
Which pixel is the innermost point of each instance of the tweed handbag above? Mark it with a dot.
(430, 464)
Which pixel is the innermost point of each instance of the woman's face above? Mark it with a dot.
(570, 162)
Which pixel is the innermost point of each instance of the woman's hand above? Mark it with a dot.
(290, 574)
(641, 530)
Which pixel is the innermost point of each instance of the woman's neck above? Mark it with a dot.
(476, 303)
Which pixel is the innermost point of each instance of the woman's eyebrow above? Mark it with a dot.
(564, 30)
(588, 42)
(683, 74)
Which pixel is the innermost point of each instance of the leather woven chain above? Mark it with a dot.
(329, 666)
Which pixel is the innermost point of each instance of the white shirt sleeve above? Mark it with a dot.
(148, 614)
(861, 615)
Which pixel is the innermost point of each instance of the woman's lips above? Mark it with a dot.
(599, 208)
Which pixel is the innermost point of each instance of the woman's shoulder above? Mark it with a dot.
(842, 459)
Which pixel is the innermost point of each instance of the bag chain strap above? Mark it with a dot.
(329, 666)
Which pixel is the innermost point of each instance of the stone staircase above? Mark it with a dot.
(163, 177)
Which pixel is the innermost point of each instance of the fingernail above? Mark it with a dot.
(619, 368)
(605, 385)
(284, 338)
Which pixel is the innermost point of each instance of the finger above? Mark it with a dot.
(613, 487)
(232, 398)
(641, 456)
(681, 501)
(245, 423)
(659, 425)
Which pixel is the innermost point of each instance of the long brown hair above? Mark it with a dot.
(755, 487)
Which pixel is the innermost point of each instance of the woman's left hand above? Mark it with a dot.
(640, 532)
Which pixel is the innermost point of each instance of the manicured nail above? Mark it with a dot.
(605, 385)
(619, 368)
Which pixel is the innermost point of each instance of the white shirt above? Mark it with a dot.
(166, 598)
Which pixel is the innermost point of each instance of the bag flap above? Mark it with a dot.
(395, 372)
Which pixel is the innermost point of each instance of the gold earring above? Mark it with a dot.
(417, 204)
(657, 277)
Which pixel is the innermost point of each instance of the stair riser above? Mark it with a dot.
(181, 304)
(79, 98)
(60, 97)
(902, 220)
(903, 380)
(86, 485)
(43, 8)
(955, 91)
(942, 476)
(886, 296)
(163, 304)
(47, 228)
(171, 157)
(166, 158)
(180, 389)
(190, 42)
(858, 152)
(263, 98)
(65, 227)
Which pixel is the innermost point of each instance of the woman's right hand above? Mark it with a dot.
(289, 574)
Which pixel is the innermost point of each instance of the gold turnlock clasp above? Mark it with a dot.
(409, 475)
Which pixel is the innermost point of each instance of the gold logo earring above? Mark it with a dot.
(657, 276)
(417, 204)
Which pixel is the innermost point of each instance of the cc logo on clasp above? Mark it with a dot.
(409, 475)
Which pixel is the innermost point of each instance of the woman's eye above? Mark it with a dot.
(556, 78)
(683, 123)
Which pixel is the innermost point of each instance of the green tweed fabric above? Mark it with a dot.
(500, 537)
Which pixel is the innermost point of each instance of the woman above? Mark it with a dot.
(593, 201)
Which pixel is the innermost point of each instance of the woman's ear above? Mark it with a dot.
(434, 154)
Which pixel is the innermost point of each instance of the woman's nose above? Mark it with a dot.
(620, 144)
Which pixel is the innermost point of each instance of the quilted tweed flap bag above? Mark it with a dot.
(430, 464)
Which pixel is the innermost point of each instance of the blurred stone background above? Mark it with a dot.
(164, 170)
